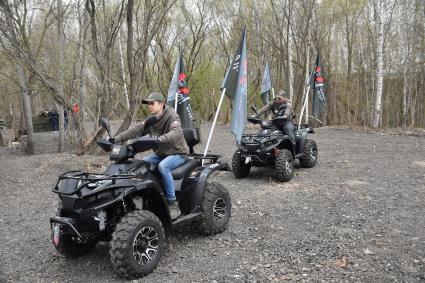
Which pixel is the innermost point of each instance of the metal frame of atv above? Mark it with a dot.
(84, 176)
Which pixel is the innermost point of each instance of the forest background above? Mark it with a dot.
(106, 55)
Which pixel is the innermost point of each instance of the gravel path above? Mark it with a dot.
(358, 216)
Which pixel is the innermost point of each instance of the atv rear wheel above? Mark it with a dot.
(309, 158)
(284, 166)
(239, 168)
(137, 244)
(73, 249)
(216, 210)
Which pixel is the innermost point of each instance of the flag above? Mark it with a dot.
(266, 85)
(178, 86)
(172, 90)
(236, 83)
(319, 98)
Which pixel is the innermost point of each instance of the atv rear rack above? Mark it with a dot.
(72, 182)
(207, 159)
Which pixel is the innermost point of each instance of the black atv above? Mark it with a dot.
(271, 147)
(126, 205)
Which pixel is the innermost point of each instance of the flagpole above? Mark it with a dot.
(214, 122)
(305, 96)
(306, 104)
(273, 92)
(175, 101)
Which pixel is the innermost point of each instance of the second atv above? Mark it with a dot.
(270, 147)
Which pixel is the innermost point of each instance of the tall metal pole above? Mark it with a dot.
(215, 120)
(305, 96)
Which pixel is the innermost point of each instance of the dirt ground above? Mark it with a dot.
(358, 216)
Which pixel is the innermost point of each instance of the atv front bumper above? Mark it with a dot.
(65, 224)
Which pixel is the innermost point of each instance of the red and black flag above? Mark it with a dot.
(319, 97)
(266, 86)
(236, 84)
(178, 89)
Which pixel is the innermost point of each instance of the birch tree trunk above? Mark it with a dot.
(379, 26)
(26, 102)
(61, 47)
(82, 46)
(404, 37)
(123, 72)
(307, 74)
(289, 36)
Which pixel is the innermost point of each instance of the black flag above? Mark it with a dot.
(266, 85)
(319, 98)
(236, 84)
(179, 88)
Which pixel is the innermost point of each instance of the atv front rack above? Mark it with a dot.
(72, 182)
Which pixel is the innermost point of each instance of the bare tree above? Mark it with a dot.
(61, 48)
(378, 7)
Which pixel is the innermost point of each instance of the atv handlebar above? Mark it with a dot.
(254, 120)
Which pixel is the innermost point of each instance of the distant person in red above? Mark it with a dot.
(75, 108)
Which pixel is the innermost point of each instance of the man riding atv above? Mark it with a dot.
(281, 106)
(277, 144)
(171, 152)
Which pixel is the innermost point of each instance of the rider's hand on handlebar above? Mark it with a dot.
(253, 116)
(156, 139)
(113, 141)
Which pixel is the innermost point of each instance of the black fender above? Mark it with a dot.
(152, 190)
(287, 144)
(146, 189)
(300, 137)
(201, 184)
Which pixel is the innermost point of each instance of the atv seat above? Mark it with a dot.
(181, 171)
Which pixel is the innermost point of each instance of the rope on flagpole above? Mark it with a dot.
(214, 122)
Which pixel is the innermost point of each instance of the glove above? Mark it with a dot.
(156, 139)
(113, 141)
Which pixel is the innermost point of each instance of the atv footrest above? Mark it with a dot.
(186, 218)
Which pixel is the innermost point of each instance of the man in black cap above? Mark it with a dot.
(171, 151)
(281, 106)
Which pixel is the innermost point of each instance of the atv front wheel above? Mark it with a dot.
(284, 166)
(137, 244)
(216, 210)
(239, 168)
(309, 158)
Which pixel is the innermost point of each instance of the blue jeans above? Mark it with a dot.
(165, 166)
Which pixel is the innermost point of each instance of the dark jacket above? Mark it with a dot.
(168, 129)
(274, 106)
